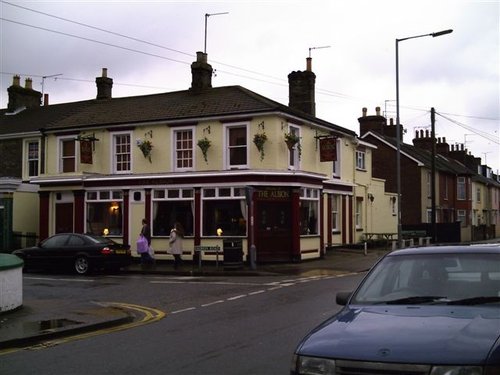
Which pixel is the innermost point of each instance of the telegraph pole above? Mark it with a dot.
(433, 174)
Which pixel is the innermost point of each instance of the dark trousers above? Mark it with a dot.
(146, 258)
(177, 260)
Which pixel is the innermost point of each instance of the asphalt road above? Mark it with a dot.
(216, 325)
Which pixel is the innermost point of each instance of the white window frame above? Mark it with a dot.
(336, 163)
(60, 163)
(461, 188)
(361, 160)
(294, 155)
(462, 217)
(175, 132)
(28, 158)
(335, 212)
(228, 147)
(223, 193)
(358, 214)
(312, 195)
(104, 196)
(114, 160)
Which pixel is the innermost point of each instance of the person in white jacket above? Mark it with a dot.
(176, 235)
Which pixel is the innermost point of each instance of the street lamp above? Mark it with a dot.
(398, 131)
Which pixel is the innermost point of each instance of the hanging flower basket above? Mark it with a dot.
(204, 144)
(292, 139)
(259, 139)
(146, 147)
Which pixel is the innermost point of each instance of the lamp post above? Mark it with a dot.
(398, 125)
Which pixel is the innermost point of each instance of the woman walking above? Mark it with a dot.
(176, 235)
(146, 257)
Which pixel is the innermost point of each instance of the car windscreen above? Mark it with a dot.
(431, 278)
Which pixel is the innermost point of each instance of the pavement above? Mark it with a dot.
(45, 321)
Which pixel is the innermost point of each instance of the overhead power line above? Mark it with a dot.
(485, 135)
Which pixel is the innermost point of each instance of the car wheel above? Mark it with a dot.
(82, 265)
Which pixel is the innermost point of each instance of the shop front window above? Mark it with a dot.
(225, 209)
(105, 213)
(171, 206)
(309, 203)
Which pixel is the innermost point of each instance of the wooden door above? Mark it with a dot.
(64, 218)
(273, 231)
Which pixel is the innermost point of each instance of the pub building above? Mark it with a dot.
(192, 157)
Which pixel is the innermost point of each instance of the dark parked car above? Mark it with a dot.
(83, 252)
(433, 311)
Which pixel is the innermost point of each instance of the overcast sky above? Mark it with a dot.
(148, 47)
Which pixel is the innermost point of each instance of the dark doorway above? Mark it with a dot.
(64, 218)
(273, 231)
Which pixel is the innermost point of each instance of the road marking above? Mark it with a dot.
(212, 303)
(57, 279)
(256, 292)
(275, 285)
(149, 315)
(183, 310)
(236, 297)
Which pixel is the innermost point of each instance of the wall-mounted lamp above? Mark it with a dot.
(105, 231)
(219, 232)
(207, 129)
(371, 197)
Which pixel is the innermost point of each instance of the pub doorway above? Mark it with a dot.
(64, 218)
(273, 228)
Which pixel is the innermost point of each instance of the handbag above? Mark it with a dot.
(142, 244)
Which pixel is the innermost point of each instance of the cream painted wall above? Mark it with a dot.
(26, 211)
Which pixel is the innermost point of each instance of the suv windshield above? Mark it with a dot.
(432, 279)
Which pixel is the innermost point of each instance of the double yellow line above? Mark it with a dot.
(147, 315)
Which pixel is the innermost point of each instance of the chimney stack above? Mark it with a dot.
(104, 85)
(201, 72)
(375, 123)
(20, 97)
(301, 90)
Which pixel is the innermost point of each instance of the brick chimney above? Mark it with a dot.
(375, 123)
(20, 97)
(301, 87)
(378, 124)
(104, 85)
(201, 72)
(442, 147)
(423, 140)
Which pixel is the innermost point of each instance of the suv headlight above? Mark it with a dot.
(303, 365)
(457, 370)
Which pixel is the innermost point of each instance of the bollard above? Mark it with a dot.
(253, 257)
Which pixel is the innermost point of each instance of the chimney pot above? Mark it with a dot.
(28, 84)
(201, 73)
(309, 64)
(16, 80)
(377, 111)
(364, 111)
(104, 85)
(45, 99)
(391, 121)
(201, 57)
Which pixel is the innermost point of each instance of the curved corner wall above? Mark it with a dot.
(11, 282)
